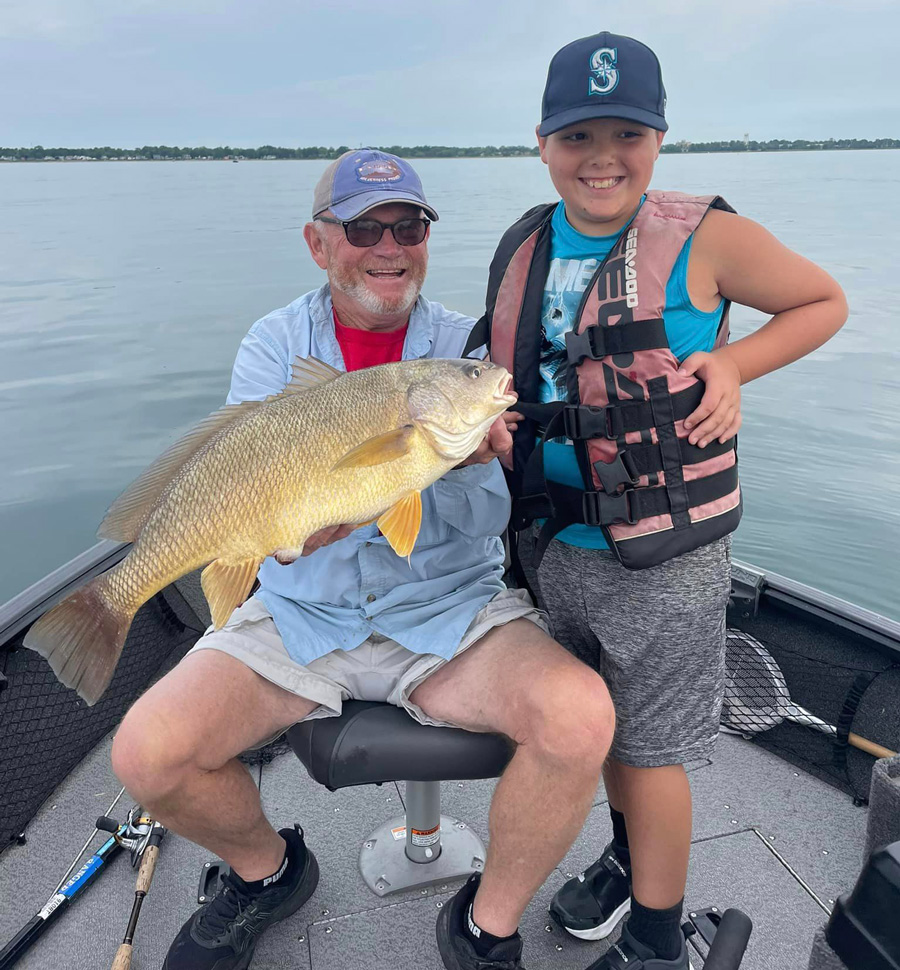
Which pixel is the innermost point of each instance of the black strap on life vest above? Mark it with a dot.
(580, 422)
(598, 341)
(573, 506)
(620, 501)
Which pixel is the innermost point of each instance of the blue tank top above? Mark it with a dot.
(574, 258)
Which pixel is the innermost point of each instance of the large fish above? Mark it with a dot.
(258, 478)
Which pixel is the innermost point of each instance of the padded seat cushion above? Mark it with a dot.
(373, 742)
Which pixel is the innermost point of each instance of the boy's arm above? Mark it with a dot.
(750, 266)
(743, 262)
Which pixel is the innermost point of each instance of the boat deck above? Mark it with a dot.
(768, 838)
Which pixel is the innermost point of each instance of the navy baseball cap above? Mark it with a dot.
(359, 180)
(604, 76)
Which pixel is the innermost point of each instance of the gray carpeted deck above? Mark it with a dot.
(757, 818)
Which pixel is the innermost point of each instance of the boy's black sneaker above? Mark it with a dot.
(629, 954)
(456, 948)
(590, 905)
(222, 934)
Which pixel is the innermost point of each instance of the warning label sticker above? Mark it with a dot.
(426, 836)
(399, 833)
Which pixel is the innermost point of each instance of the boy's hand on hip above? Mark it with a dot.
(719, 413)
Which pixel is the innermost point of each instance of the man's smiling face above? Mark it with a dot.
(385, 278)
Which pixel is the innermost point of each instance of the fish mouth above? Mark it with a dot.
(505, 394)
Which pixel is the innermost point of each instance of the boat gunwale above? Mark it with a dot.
(24, 608)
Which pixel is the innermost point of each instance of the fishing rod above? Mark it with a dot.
(133, 834)
(149, 855)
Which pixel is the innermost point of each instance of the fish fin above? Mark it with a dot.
(310, 372)
(226, 586)
(379, 450)
(129, 512)
(400, 524)
(82, 639)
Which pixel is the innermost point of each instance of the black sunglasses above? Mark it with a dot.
(364, 233)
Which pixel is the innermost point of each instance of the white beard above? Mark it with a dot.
(358, 291)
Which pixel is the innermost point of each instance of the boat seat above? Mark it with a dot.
(372, 743)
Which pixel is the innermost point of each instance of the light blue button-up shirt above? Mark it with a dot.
(336, 597)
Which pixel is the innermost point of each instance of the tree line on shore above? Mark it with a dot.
(173, 153)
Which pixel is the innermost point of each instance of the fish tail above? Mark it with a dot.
(82, 638)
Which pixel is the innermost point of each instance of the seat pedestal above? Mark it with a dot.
(373, 743)
(386, 866)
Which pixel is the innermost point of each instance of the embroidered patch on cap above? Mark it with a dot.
(379, 170)
(603, 67)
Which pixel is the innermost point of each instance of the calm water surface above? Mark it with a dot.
(125, 290)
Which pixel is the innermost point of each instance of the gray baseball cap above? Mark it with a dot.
(361, 179)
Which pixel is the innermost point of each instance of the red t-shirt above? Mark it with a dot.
(366, 348)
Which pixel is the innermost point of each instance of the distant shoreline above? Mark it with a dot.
(166, 153)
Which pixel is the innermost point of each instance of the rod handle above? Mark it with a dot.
(864, 744)
(730, 941)
(148, 865)
(123, 957)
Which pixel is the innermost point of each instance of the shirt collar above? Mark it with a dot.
(419, 336)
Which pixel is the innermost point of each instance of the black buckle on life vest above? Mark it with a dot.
(620, 471)
(589, 343)
(585, 421)
(602, 509)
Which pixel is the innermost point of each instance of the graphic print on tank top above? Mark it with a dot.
(567, 280)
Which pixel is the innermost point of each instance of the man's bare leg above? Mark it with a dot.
(176, 753)
(656, 803)
(518, 681)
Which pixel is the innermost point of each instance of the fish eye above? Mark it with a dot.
(475, 372)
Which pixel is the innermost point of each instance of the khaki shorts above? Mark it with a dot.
(377, 670)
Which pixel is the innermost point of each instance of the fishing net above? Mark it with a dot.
(811, 693)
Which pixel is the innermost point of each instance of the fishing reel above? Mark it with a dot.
(132, 834)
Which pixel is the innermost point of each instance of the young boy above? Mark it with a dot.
(610, 308)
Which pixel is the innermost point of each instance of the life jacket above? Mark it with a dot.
(654, 495)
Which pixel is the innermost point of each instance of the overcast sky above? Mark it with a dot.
(470, 72)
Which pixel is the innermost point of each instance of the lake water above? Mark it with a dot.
(126, 288)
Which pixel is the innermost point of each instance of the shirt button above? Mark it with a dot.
(370, 598)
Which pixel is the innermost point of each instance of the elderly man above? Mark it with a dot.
(438, 635)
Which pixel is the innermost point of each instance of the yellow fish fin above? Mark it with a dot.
(400, 524)
(310, 372)
(227, 586)
(129, 512)
(378, 450)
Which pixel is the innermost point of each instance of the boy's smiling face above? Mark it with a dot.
(601, 168)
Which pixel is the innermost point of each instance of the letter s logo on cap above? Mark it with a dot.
(603, 65)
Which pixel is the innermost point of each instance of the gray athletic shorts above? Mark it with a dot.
(379, 669)
(656, 636)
